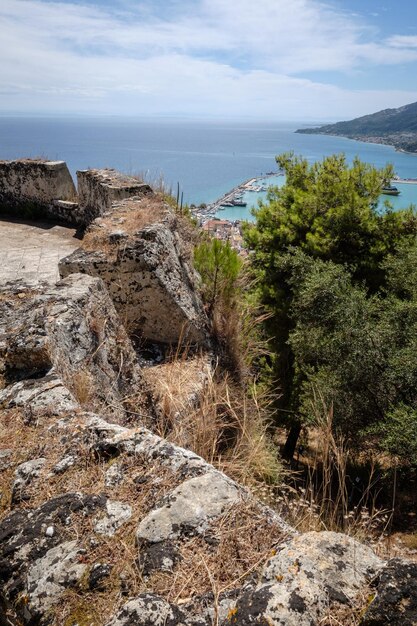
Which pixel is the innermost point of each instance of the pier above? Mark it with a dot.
(247, 185)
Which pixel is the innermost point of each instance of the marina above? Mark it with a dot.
(237, 197)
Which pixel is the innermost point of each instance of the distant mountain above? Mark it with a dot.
(396, 127)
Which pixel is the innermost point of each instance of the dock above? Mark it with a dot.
(248, 185)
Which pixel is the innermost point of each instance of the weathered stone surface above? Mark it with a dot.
(64, 464)
(5, 455)
(33, 185)
(148, 609)
(43, 396)
(24, 475)
(73, 328)
(110, 440)
(189, 507)
(98, 575)
(309, 574)
(23, 538)
(50, 575)
(97, 189)
(30, 252)
(396, 599)
(114, 475)
(150, 282)
(117, 514)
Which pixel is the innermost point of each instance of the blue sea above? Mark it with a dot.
(207, 159)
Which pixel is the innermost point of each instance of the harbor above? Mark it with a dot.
(237, 198)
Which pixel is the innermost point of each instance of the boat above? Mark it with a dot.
(239, 203)
(389, 190)
(227, 204)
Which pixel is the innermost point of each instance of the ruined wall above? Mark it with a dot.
(97, 189)
(140, 255)
(151, 288)
(36, 185)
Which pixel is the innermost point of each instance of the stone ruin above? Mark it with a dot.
(100, 518)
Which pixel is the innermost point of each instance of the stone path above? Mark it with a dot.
(30, 251)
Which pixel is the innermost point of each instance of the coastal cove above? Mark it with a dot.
(207, 159)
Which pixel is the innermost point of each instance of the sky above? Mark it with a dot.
(208, 59)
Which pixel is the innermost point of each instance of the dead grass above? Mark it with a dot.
(130, 216)
(216, 419)
(233, 547)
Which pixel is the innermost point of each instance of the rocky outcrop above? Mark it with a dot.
(67, 341)
(146, 271)
(309, 574)
(104, 522)
(98, 189)
(395, 601)
(34, 186)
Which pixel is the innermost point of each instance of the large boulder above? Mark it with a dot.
(309, 575)
(69, 333)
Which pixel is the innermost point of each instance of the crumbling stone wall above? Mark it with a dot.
(97, 189)
(147, 273)
(35, 186)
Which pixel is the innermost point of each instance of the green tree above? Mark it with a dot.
(358, 350)
(218, 265)
(329, 212)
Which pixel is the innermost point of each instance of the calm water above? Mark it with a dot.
(207, 159)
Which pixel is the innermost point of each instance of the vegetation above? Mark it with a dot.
(397, 127)
(337, 276)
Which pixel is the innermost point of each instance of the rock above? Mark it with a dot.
(24, 475)
(64, 464)
(189, 507)
(5, 454)
(148, 609)
(396, 599)
(118, 514)
(73, 328)
(312, 572)
(114, 475)
(49, 576)
(111, 440)
(23, 540)
(50, 531)
(43, 396)
(98, 574)
(31, 186)
(98, 189)
(149, 279)
(161, 556)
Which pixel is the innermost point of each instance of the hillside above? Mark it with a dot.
(396, 127)
(118, 507)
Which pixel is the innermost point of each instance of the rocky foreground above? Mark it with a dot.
(102, 521)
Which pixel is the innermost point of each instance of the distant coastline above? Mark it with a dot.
(384, 141)
(396, 128)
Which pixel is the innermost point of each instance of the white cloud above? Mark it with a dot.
(219, 55)
(403, 41)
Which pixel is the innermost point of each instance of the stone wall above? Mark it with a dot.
(147, 273)
(97, 189)
(34, 186)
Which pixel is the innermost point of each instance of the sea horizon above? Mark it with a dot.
(207, 158)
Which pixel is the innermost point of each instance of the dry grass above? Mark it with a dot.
(324, 501)
(216, 419)
(130, 216)
(233, 547)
